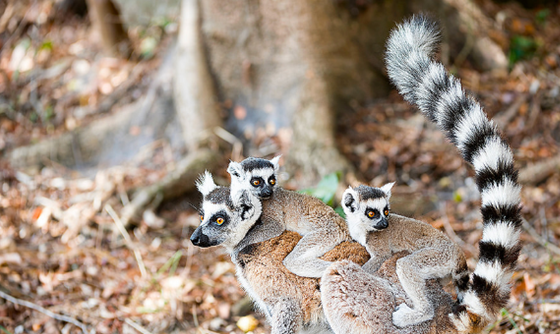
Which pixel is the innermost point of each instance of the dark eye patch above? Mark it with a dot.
(375, 212)
(220, 214)
(257, 181)
(272, 180)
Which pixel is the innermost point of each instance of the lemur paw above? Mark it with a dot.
(405, 316)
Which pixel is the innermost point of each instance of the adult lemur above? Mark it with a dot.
(292, 304)
(319, 225)
(433, 254)
(424, 82)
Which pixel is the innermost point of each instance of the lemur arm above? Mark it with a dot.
(374, 263)
(304, 260)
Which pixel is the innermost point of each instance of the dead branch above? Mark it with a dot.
(127, 240)
(177, 182)
(43, 310)
(538, 172)
(546, 244)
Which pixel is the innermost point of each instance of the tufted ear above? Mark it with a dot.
(234, 169)
(205, 184)
(275, 161)
(387, 189)
(349, 200)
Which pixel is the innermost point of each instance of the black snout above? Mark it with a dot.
(266, 192)
(381, 224)
(200, 239)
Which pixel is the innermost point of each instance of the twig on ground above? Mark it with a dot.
(137, 326)
(547, 245)
(451, 233)
(127, 240)
(43, 310)
(234, 141)
(176, 182)
(538, 172)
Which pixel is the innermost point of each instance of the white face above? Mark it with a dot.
(367, 209)
(255, 175)
(222, 222)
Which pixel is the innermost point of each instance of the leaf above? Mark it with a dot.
(326, 188)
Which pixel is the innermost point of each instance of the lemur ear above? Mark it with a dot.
(205, 184)
(275, 161)
(234, 169)
(387, 188)
(350, 200)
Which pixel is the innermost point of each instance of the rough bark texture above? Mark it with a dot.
(194, 93)
(295, 65)
(107, 21)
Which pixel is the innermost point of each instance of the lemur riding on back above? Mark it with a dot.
(292, 304)
(319, 225)
(425, 83)
(433, 254)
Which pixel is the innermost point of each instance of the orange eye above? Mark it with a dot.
(256, 182)
(386, 212)
(272, 182)
(201, 217)
(220, 221)
(371, 214)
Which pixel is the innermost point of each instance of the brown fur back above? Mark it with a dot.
(264, 271)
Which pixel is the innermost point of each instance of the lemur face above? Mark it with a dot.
(221, 222)
(256, 175)
(366, 209)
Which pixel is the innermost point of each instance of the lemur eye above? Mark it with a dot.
(256, 182)
(201, 217)
(272, 182)
(220, 221)
(371, 213)
(386, 212)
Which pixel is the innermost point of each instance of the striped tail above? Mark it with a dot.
(424, 82)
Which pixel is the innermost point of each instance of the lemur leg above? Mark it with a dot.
(304, 260)
(413, 271)
(355, 301)
(286, 316)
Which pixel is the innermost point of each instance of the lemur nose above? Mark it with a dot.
(267, 192)
(382, 224)
(195, 237)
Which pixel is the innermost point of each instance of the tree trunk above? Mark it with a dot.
(106, 20)
(291, 66)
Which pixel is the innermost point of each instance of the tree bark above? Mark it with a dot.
(106, 20)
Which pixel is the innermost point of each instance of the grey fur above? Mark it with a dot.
(440, 97)
(291, 303)
(321, 228)
(432, 254)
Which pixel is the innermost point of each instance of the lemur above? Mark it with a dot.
(440, 97)
(291, 303)
(432, 254)
(319, 225)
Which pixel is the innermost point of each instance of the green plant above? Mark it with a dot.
(521, 47)
(325, 191)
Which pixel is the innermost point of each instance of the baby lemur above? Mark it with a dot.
(433, 254)
(319, 225)
(424, 82)
(291, 303)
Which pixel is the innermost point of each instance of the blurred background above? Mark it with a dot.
(110, 109)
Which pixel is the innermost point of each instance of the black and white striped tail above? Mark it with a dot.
(424, 82)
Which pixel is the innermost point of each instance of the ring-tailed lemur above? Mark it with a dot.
(292, 304)
(257, 175)
(319, 225)
(425, 83)
(439, 96)
(433, 254)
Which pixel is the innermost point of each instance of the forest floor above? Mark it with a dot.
(62, 246)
